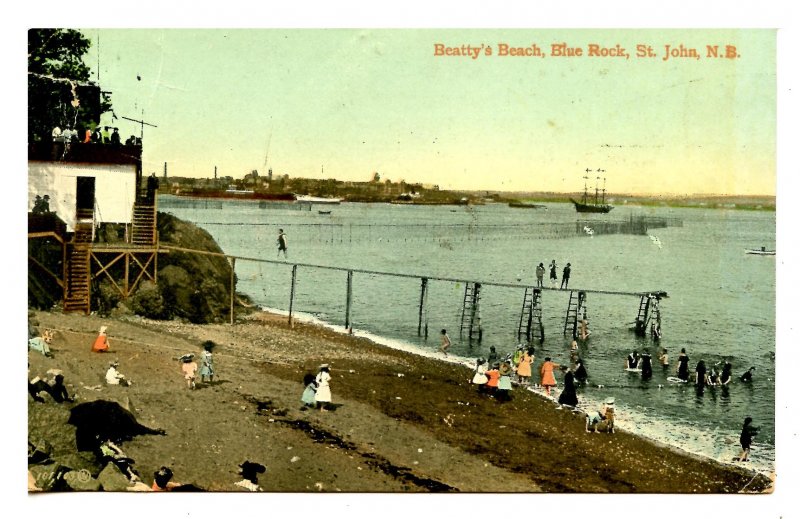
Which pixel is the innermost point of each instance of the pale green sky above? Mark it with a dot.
(360, 101)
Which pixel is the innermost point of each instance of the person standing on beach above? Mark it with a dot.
(683, 366)
(746, 438)
(553, 274)
(493, 376)
(565, 277)
(479, 378)
(492, 357)
(445, 342)
(568, 397)
(323, 395)
(309, 396)
(281, 243)
(540, 275)
(504, 383)
(524, 367)
(548, 379)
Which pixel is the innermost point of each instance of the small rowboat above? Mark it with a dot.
(760, 252)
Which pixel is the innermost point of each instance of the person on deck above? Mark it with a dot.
(565, 277)
(281, 243)
(553, 274)
(540, 275)
(101, 342)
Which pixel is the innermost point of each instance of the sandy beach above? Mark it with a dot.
(401, 423)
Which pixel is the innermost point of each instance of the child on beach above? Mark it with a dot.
(504, 382)
(548, 379)
(493, 376)
(101, 342)
(445, 342)
(189, 369)
(479, 378)
(309, 397)
(524, 368)
(207, 362)
(323, 395)
(114, 377)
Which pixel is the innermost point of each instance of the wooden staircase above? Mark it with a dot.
(143, 224)
(471, 313)
(77, 293)
(530, 319)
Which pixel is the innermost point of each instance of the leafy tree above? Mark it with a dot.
(59, 91)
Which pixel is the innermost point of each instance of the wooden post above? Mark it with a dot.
(291, 293)
(233, 284)
(127, 270)
(422, 298)
(349, 302)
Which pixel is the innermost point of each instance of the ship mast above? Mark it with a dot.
(585, 186)
(600, 170)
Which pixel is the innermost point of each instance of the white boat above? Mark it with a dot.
(308, 199)
(760, 252)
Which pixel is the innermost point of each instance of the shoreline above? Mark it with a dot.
(467, 363)
(527, 444)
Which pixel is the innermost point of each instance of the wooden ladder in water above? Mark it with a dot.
(471, 313)
(530, 319)
(576, 310)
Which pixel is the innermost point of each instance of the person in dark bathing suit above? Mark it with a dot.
(726, 375)
(700, 374)
(580, 372)
(683, 365)
(647, 365)
(747, 376)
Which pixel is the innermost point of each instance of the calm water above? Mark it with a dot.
(721, 302)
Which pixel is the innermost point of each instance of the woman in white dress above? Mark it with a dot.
(323, 396)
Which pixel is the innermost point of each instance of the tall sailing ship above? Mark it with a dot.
(598, 205)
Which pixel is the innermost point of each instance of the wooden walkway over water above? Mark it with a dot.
(530, 317)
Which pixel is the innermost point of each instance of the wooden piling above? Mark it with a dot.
(291, 293)
(422, 298)
(233, 284)
(349, 302)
